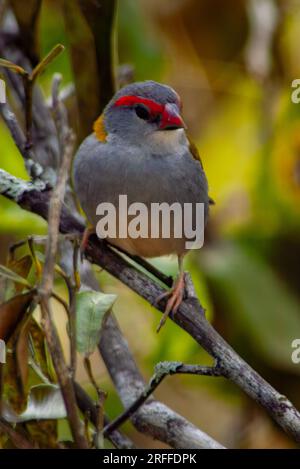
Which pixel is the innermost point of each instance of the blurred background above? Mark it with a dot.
(233, 64)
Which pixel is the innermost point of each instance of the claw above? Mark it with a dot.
(176, 295)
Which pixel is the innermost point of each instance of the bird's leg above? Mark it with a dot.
(89, 230)
(175, 295)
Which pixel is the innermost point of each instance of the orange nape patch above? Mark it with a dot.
(99, 129)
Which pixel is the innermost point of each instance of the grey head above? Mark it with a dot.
(142, 109)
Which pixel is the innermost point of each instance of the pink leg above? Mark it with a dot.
(85, 239)
(175, 295)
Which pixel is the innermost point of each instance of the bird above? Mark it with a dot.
(139, 147)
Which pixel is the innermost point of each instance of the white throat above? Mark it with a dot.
(167, 140)
(160, 142)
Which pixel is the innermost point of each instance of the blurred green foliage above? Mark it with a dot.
(248, 134)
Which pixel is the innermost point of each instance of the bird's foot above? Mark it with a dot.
(176, 295)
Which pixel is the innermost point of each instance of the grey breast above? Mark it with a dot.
(103, 171)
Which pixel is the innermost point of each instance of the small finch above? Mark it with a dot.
(139, 147)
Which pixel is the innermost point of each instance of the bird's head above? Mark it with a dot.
(141, 110)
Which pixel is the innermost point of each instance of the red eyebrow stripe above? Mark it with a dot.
(131, 100)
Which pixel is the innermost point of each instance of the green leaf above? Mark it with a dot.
(44, 402)
(91, 310)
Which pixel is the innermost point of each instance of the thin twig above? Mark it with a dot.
(40, 68)
(29, 78)
(59, 111)
(56, 203)
(86, 405)
(60, 300)
(33, 168)
(162, 370)
(155, 419)
(72, 326)
(45, 293)
(99, 406)
(28, 90)
(189, 317)
(62, 128)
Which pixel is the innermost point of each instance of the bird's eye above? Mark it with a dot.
(142, 111)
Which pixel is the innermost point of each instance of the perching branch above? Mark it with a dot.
(189, 317)
(155, 418)
(185, 434)
(152, 417)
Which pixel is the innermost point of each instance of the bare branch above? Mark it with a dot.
(189, 317)
(28, 78)
(45, 293)
(33, 168)
(166, 279)
(155, 419)
(152, 417)
(162, 370)
(54, 217)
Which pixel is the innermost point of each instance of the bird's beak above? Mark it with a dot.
(171, 118)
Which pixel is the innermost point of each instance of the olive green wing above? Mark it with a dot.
(195, 153)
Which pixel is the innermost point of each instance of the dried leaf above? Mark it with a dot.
(3, 439)
(11, 275)
(43, 432)
(21, 351)
(40, 351)
(89, 26)
(22, 268)
(12, 394)
(11, 313)
(91, 310)
(82, 50)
